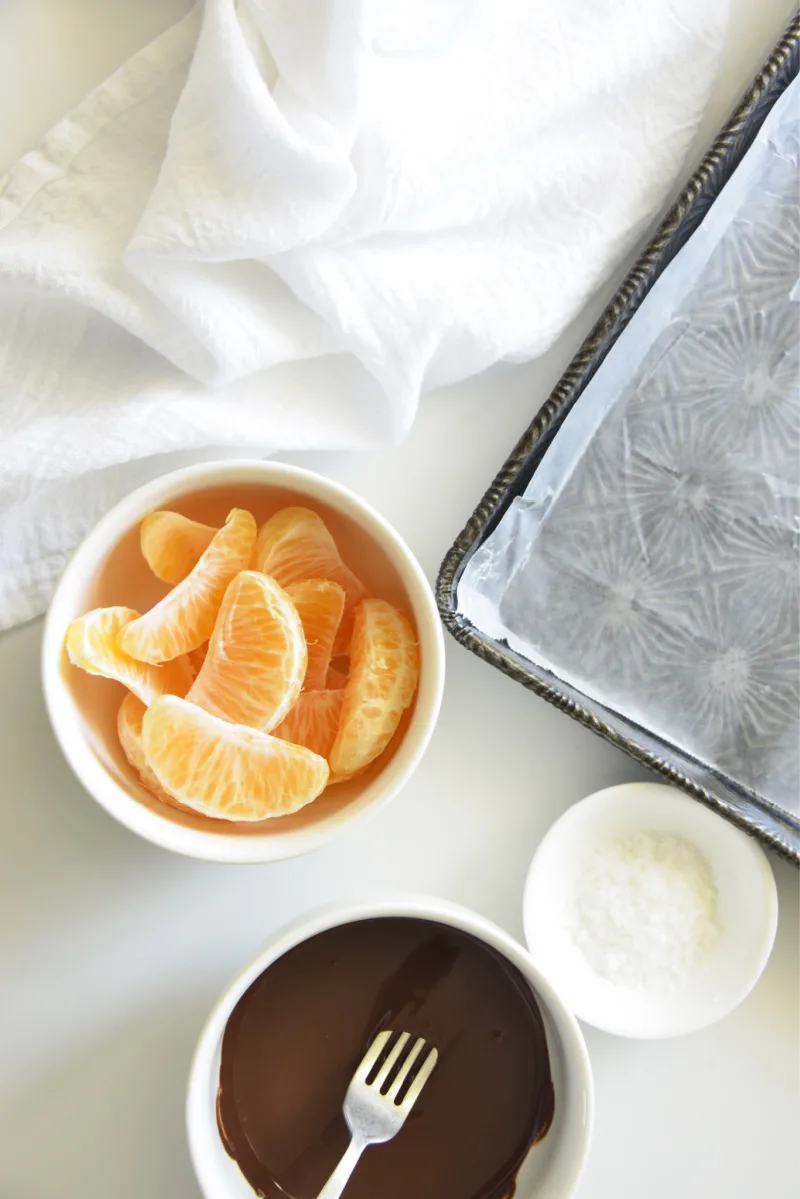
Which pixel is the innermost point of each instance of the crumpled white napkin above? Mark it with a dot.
(283, 219)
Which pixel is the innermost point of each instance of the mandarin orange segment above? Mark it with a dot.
(319, 604)
(92, 644)
(384, 673)
(344, 636)
(256, 659)
(173, 544)
(197, 657)
(185, 617)
(295, 544)
(227, 771)
(313, 721)
(129, 730)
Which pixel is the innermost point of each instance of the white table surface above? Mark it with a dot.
(112, 951)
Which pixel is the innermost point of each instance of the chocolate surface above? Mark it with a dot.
(296, 1036)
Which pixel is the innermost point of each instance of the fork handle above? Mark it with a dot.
(341, 1175)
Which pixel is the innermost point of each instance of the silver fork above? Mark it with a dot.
(372, 1117)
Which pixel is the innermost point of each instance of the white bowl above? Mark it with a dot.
(747, 910)
(100, 573)
(552, 1168)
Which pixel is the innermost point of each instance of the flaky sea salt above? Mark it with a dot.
(645, 910)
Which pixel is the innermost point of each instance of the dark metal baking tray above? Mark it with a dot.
(774, 826)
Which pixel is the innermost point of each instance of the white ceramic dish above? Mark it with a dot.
(747, 912)
(552, 1168)
(94, 753)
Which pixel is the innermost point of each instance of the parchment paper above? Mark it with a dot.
(653, 560)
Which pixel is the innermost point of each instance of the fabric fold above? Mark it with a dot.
(283, 220)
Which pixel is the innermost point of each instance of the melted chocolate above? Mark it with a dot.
(295, 1038)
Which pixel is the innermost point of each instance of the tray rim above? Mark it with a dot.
(777, 828)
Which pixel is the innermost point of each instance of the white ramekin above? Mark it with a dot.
(747, 912)
(552, 1168)
(114, 785)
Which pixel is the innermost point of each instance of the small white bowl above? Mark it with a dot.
(747, 911)
(552, 1168)
(82, 708)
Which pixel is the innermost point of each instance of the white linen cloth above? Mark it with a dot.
(282, 220)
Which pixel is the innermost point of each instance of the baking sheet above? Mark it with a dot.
(653, 562)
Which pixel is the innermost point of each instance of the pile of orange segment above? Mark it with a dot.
(264, 675)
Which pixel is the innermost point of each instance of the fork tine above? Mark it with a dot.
(402, 1073)
(425, 1071)
(371, 1056)
(386, 1068)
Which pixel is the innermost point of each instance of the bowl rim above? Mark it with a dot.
(221, 846)
(650, 794)
(419, 906)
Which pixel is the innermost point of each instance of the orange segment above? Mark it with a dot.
(295, 544)
(256, 659)
(227, 770)
(173, 545)
(185, 618)
(344, 635)
(313, 721)
(129, 728)
(384, 672)
(197, 657)
(92, 644)
(319, 604)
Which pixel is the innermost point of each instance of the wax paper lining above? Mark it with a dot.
(653, 561)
